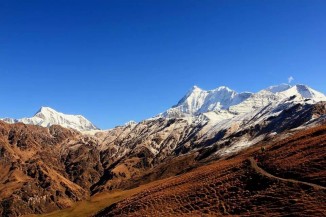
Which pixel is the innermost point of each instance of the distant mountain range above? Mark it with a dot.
(220, 103)
(198, 101)
(45, 165)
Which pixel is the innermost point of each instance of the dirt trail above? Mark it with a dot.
(262, 171)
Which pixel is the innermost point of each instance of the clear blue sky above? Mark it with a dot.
(113, 61)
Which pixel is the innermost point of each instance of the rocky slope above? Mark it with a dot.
(241, 186)
(37, 168)
(129, 152)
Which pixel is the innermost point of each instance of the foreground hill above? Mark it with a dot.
(289, 179)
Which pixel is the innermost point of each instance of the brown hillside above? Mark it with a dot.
(300, 157)
(288, 180)
(32, 178)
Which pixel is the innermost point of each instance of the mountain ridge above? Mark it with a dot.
(47, 117)
(198, 101)
(221, 103)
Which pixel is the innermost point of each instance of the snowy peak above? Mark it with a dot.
(304, 92)
(278, 88)
(46, 109)
(192, 101)
(130, 123)
(192, 94)
(299, 90)
(198, 101)
(223, 88)
(45, 112)
(277, 94)
(47, 117)
(195, 88)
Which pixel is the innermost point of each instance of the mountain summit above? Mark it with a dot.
(47, 117)
(198, 101)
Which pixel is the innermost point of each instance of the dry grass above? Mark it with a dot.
(90, 207)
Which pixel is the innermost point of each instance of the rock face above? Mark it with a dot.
(43, 169)
(47, 117)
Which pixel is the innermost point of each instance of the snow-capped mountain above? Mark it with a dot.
(47, 116)
(278, 88)
(227, 102)
(208, 125)
(198, 101)
(276, 94)
(130, 123)
(303, 91)
(218, 133)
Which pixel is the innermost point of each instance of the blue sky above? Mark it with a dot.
(113, 61)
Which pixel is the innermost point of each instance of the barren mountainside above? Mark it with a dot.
(219, 132)
(242, 186)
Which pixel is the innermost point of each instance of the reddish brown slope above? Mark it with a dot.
(300, 157)
(32, 178)
(236, 187)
